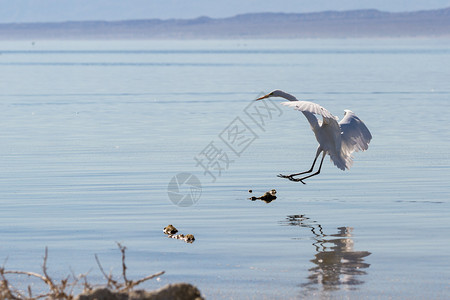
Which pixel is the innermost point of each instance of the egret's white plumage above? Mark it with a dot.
(337, 139)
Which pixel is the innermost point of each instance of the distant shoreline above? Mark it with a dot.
(328, 24)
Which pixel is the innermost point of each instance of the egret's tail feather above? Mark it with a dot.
(342, 162)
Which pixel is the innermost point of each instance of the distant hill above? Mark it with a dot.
(327, 24)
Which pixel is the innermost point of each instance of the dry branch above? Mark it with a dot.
(65, 287)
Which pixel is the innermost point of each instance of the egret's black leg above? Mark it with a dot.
(318, 172)
(309, 171)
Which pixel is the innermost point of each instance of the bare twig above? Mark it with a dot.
(132, 284)
(129, 284)
(110, 281)
(87, 287)
(30, 294)
(124, 266)
(5, 288)
(29, 274)
(76, 279)
(44, 270)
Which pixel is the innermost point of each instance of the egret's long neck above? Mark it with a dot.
(286, 96)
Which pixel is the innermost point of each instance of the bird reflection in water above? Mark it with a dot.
(337, 265)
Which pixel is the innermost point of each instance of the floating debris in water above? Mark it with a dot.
(170, 230)
(250, 191)
(267, 197)
(189, 238)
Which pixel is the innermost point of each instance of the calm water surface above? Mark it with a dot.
(92, 133)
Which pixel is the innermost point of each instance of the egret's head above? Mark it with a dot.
(275, 93)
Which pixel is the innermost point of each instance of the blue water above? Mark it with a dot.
(91, 134)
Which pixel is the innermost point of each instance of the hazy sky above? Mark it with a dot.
(65, 10)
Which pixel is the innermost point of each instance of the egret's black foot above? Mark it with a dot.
(291, 178)
(296, 179)
(284, 176)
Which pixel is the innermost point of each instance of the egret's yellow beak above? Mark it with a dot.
(263, 97)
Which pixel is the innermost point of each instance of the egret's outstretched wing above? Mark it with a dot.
(312, 108)
(355, 135)
(330, 127)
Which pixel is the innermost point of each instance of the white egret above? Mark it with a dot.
(338, 140)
